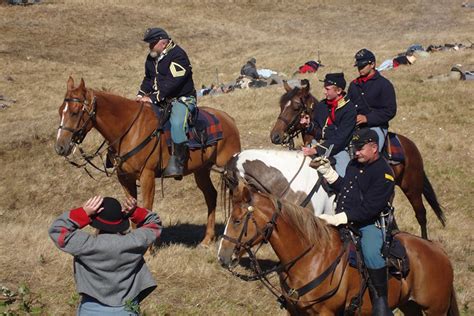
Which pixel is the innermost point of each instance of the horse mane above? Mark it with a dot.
(117, 99)
(314, 230)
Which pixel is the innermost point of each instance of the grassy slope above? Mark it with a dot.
(42, 45)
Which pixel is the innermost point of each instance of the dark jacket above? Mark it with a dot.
(375, 99)
(168, 76)
(249, 70)
(339, 133)
(364, 191)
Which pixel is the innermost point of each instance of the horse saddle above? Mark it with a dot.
(393, 149)
(204, 130)
(397, 260)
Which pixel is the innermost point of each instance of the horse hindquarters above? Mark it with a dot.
(430, 280)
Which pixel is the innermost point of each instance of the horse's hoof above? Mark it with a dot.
(204, 245)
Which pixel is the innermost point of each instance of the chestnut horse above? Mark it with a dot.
(125, 124)
(315, 276)
(410, 175)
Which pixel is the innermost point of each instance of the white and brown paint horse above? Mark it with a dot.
(285, 174)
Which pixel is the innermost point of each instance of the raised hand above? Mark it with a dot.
(129, 205)
(92, 206)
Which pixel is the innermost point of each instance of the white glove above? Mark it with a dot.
(325, 169)
(335, 220)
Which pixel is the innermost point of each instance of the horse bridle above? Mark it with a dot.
(79, 133)
(265, 233)
(290, 295)
(291, 130)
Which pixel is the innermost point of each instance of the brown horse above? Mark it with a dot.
(410, 175)
(125, 124)
(312, 253)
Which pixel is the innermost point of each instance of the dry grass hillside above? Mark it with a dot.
(100, 41)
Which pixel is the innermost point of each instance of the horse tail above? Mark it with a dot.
(453, 305)
(430, 196)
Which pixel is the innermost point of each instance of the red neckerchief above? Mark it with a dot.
(364, 79)
(332, 106)
(395, 63)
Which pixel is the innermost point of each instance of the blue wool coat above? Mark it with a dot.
(375, 99)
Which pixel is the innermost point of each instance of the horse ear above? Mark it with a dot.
(244, 190)
(70, 83)
(305, 87)
(82, 86)
(246, 194)
(286, 86)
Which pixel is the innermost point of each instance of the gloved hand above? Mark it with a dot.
(335, 220)
(323, 166)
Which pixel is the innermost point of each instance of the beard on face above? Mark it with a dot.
(153, 54)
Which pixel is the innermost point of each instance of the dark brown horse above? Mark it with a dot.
(410, 175)
(312, 253)
(125, 124)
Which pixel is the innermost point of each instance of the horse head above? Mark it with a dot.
(247, 225)
(77, 114)
(295, 102)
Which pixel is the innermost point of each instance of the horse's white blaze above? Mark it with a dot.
(222, 239)
(288, 163)
(62, 120)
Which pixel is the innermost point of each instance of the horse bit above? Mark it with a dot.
(291, 131)
(78, 134)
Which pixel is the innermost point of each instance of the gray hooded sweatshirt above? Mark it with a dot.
(109, 267)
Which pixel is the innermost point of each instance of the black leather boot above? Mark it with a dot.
(378, 292)
(176, 163)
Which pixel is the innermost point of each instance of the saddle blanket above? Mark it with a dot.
(398, 263)
(206, 130)
(394, 148)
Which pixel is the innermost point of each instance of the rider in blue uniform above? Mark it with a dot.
(169, 78)
(333, 122)
(373, 96)
(364, 192)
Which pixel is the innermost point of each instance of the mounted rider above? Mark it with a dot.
(373, 96)
(169, 79)
(333, 122)
(364, 193)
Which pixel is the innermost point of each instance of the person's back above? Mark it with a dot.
(250, 69)
(109, 268)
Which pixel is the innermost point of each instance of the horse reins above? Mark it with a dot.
(288, 295)
(291, 131)
(294, 177)
(80, 133)
(266, 232)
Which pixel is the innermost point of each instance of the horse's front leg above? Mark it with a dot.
(204, 183)
(147, 185)
(128, 183)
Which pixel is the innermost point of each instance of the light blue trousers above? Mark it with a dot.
(342, 160)
(381, 133)
(371, 244)
(91, 307)
(179, 118)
